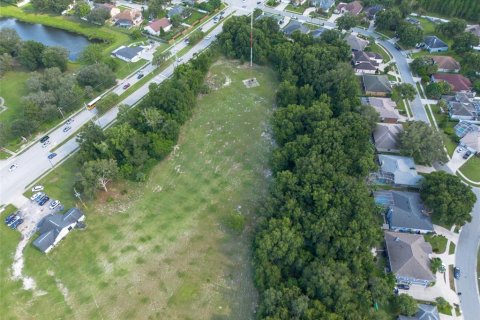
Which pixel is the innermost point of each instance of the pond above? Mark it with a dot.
(48, 36)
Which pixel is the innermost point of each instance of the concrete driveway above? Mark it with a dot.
(457, 161)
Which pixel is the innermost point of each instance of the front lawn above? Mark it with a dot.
(439, 243)
(195, 16)
(126, 68)
(298, 9)
(373, 47)
(471, 169)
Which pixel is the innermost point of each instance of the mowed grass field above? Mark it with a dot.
(177, 246)
(12, 89)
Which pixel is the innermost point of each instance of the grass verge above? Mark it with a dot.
(451, 249)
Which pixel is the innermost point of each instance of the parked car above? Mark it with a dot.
(44, 200)
(467, 154)
(16, 224)
(459, 150)
(37, 188)
(52, 155)
(41, 198)
(13, 221)
(403, 286)
(67, 128)
(36, 195)
(140, 76)
(54, 204)
(10, 218)
(456, 273)
(44, 139)
(126, 86)
(13, 167)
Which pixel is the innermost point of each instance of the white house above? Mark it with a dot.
(54, 227)
(156, 25)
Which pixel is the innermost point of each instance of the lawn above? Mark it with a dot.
(12, 89)
(195, 16)
(126, 68)
(4, 155)
(471, 169)
(298, 9)
(439, 243)
(373, 47)
(178, 245)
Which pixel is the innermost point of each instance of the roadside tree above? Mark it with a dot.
(422, 142)
(403, 91)
(423, 66)
(347, 22)
(160, 57)
(435, 90)
(98, 173)
(449, 198)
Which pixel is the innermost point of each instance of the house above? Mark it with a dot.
(464, 127)
(385, 137)
(434, 44)
(408, 256)
(317, 33)
(458, 82)
(366, 62)
(276, 17)
(413, 21)
(471, 141)
(354, 8)
(385, 108)
(128, 18)
(446, 64)
(462, 106)
(176, 11)
(111, 8)
(55, 227)
(372, 11)
(295, 26)
(376, 85)
(356, 43)
(156, 25)
(425, 312)
(128, 54)
(475, 29)
(396, 170)
(405, 211)
(325, 5)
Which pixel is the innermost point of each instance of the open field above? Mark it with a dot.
(12, 89)
(176, 246)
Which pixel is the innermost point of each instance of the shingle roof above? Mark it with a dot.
(317, 33)
(156, 24)
(403, 169)
(324, 4)
(407, 212)
(127, 15)
(175, 11)
(461, 109)
(386, 136)
(128, 52)
(295, 26)
(372, 11)
(446, 62)
(434, 42)
(425, 312)
(472, 140)
(475, 29)
(356, 43)
(354, 7)
(374, 83)
(409, 255)
(457, 81)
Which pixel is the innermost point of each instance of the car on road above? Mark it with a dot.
(44, 200)
(259, 2)
(37, 188)
(37, 195)
(208, 37)
(52, 155)
(456, 273)
(16, 224)
(140, 76)
(10, 218)
(67, 128)
(467, 154)
(69, 120)
(44, 139)
(126, 86)
(403, 286)
(54, 204)
(459, 150)
(46, 144)
(13, 221)
(13, 167)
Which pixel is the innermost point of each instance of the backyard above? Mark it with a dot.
(176, 246)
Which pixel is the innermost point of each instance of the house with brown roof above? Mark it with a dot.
(446, 64)
(128, 18)
(457, 82)
(409, 258)
(385, 107)
(366, 62)
(354, 8)
(156, 25)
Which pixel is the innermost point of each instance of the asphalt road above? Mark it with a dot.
(466, 260)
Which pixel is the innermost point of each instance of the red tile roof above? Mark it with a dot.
(159, 23)
(457, 81)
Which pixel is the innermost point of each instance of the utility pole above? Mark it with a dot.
(78, 195)
(61, 112)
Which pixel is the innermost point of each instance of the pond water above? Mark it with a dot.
(48, 36)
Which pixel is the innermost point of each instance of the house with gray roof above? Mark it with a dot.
(356, 43)
(464, 127)
(405, 211)
(396, 170)
(425, 312)
(54, 227)
(325, 5)
(295, 26)
(385, 137)
(471, 142)
(128, 54)
(177, 10)
(462, 106)
(409, 258)
(317, 33)
(372, 11)
(434, 44)
(385, 107)
(376, 85)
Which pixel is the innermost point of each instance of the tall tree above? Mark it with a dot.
(30, 54)
(406, 305)
(464, 42)
(55, 57)
(98, 173)
(9, 41)
(409, 34)
(99, 76)
(452, 28)
(404, 91)
(92, 54)
(347, 22)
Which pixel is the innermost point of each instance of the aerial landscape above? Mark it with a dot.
(240, 159)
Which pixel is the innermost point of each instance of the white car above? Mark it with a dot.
(54, 204)
(459, 150)
(208, 37)
(37, 188)
(13, 167)
(67, 128)
(45, 144)
(35, 196)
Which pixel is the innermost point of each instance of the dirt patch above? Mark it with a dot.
(251, 83)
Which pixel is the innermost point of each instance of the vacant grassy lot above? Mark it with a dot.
(12, 89)
(176, 246)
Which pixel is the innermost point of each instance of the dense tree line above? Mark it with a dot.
(56, 6)
(467, 9)
(143, 135)
(312, 248)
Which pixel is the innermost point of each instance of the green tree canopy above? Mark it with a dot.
(452, 28)
(55, 57)
(409, 34)
(347, 21)
(406, 305)
(464, 42)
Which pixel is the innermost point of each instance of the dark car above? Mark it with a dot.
(13, 221)
(52, 155)
(456, 273)
(44, 139)
(125, 87)
(467, 154)
(140, 76)
(10, 218)
(403, 286)
(16, 224)
(70, 120)
(44, 200)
